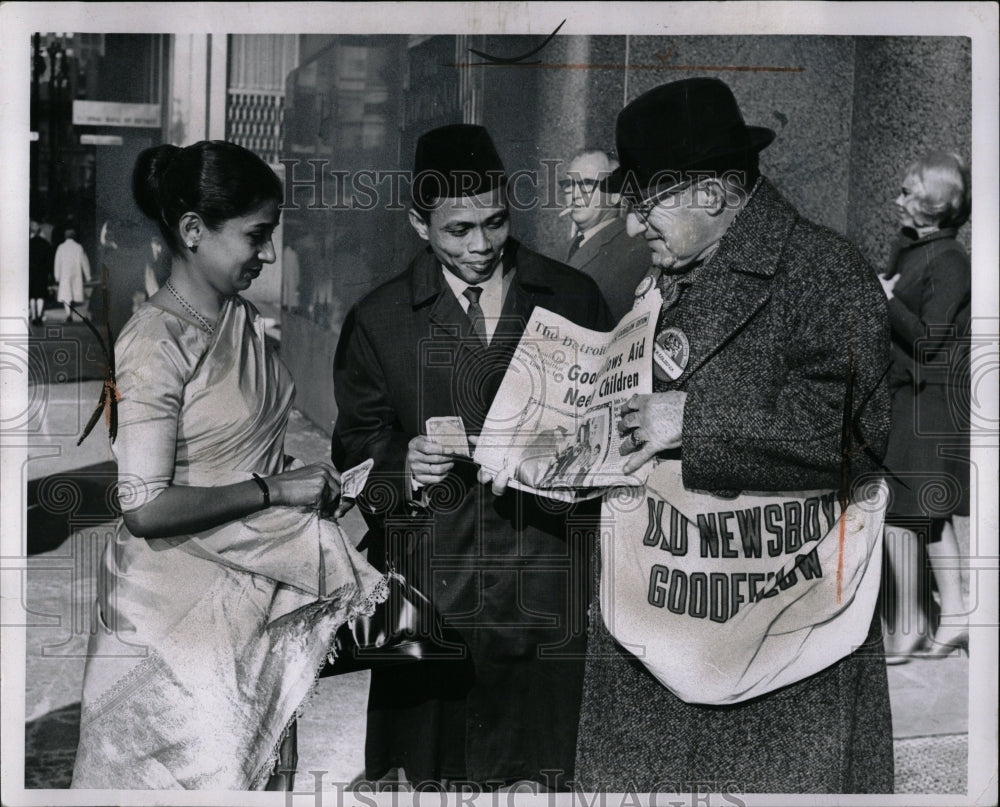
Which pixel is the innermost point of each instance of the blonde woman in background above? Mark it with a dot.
(929, 289)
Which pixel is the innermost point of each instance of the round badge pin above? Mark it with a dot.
(644, 286)
(671, 351)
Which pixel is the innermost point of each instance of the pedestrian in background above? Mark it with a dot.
(72, 270)
(929, 286)
(40, 272)
(600, 247)
(157, 268)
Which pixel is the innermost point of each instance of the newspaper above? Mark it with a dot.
(553, 425)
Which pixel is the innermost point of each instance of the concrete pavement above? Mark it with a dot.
(929, 697)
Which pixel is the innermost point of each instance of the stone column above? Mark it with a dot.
(197, 102)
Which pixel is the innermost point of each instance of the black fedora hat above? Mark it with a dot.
(693, 125)
(454, 161)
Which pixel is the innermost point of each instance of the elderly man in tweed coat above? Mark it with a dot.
(778, 337)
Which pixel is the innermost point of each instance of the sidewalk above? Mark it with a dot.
(929, 697)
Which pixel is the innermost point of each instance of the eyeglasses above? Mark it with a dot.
(642, 208)
(587, 185)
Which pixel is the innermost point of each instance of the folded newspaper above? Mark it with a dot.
(553, 425)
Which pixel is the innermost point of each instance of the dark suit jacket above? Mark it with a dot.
(616, 262)
(508, 573)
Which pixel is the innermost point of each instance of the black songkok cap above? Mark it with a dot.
(455, 161)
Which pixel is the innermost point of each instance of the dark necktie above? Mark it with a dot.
(475, 312)
(574, 246)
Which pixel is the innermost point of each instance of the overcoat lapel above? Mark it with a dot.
(587, 252)
(736, 282)
(445, 314)
(529, 289)
(591, 250)
(718, 304)
(449, 324)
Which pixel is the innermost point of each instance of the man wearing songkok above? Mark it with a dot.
(735, 644)
(507, 574)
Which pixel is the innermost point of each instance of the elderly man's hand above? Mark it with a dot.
(650, 424)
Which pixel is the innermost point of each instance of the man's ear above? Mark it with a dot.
(418, 223)
(711, 196)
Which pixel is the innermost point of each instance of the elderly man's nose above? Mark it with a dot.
(634, 225)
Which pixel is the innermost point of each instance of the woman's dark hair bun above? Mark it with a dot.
(212, 178)
(148, 178)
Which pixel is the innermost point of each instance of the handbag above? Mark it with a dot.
(402, 629)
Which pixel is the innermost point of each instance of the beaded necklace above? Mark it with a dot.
(188, 307)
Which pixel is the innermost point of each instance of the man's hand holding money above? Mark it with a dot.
(427, 461)
(429, 458)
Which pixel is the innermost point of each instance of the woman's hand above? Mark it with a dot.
(316, 485)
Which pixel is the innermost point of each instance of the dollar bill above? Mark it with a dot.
(449, 433)
(352, 481)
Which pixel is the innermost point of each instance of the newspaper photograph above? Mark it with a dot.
(553, 426)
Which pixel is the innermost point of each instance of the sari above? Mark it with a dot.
(207, 644)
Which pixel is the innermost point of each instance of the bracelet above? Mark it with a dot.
(263, 489)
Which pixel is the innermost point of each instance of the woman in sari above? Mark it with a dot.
(220, 595)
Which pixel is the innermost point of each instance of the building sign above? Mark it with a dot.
(100, 140)
(111, 113)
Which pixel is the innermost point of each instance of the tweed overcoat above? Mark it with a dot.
(779, 318)
(616, 262)
(929, 316)
(509, 574)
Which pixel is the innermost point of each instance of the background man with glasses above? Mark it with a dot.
(772, 341)
(600, 247)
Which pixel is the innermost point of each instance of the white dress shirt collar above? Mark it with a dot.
(491, 300)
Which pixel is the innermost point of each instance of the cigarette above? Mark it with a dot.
(565, 211)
